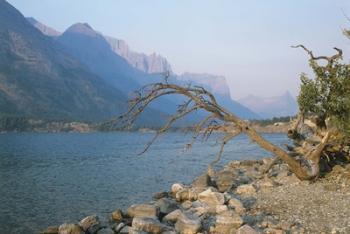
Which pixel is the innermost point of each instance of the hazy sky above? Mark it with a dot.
(247, 41)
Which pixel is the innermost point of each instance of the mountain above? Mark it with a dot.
(38, 79)
(219, 87)
(91, 48)
(284, 105)
(153, 63)
(48, 31)
(113, 60)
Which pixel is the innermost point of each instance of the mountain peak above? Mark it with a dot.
(268, 107)
(48, 31)
(82, 28)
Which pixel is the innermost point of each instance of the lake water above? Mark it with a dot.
(47, 179)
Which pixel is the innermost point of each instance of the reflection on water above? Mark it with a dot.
(47, 179)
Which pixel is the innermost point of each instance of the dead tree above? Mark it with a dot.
(305, 167)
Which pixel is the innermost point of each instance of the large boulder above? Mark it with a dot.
(187, 224)
(173, 216)
(90, 224)
(211, 198)
(143, 210)
(70, 228)
(186, 194)
(117, 215)
(227, 222)
(166, 205)
(202, 182)
(146, 224)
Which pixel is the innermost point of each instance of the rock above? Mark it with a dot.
(227, 222)
(186, 194)
(70, 228)
(173, 216)
(245, 189)
(187, 224)
(143, 210)
(246, 229)
(211, 198)
(220, 209)
(117, 215)
(224, 180)
(160, 195)
(90, 224)
(119, 227)
(199, 211)
(186, 205)
(146, 224)
(202, 181)
(50, 230)
(105, 231)
(176, 187)
(237, 205)
(125, 230)
(265, 183)
(166, 205)
(243, 179)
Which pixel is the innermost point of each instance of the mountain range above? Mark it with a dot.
(278, 106)
(81, 74)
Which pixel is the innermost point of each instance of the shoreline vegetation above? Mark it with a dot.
(240, 198)
(24, 124)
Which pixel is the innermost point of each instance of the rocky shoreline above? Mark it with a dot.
(240, 198)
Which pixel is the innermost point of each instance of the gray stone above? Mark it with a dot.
(237, 205)
(227, 222)
(221, 209)
(143, 210)
(187, 224)
(173, 216)
(186, 194)
(125, 230)
(149, 225)
(211, 198)
(90, 224)
(166, 205)
(176, 188)
(224, 180)
(186, 205)
(119, 227)
(202, 181)
(117, 215)
(70, 228)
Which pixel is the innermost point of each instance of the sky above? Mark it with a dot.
(247, 41)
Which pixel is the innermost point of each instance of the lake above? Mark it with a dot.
(50, 178)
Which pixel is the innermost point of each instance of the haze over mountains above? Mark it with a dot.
(284, 105)
(90, 47)
(81, 74)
